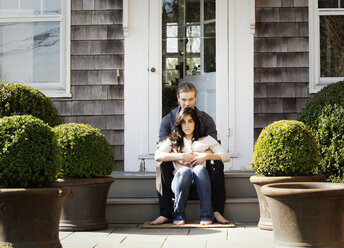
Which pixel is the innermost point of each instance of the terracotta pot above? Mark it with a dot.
(265, 221)
(307, 214)
(29, 218)
(84, 208)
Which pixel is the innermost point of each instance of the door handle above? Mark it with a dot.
(153, 69)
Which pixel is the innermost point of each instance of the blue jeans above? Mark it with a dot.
(181, 184)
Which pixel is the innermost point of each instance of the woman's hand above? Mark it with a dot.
(200, 158)
(186, 158)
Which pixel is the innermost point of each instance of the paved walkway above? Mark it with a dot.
(126, 236)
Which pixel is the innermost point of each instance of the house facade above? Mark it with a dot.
(115, 63)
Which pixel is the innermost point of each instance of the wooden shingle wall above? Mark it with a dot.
(280, 61)
(97, 56)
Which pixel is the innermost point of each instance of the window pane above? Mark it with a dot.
(171, 63)
(8, 4)
(30, 52)
(170, 10)
(192, 13)
(8, 7)
(52, 7)
(331, 3)
(209, 10)
(193, 31)
(209, 47)
(31, 7)
(172, 45)
(172, 76)
(172, 30)
(332, 46)
(193, 66)
(168, 98)
(193, 45)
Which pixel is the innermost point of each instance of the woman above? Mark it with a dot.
(183, 146)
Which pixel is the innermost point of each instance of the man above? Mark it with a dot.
(187, 96)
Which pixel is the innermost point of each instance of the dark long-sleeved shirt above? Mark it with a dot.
(207, 124)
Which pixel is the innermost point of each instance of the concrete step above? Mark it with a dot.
(140, 210)
(132, 198)
(142, 184)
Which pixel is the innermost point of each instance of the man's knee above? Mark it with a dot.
(164, 167)
(215, 165)
(164, 175)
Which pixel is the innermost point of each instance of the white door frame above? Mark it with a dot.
(142, 88)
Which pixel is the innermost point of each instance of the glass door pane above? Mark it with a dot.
(188, 51)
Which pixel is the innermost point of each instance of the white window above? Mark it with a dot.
(326, 38)
(34, 44)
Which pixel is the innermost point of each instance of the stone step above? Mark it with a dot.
(142, 184)
(140, 210)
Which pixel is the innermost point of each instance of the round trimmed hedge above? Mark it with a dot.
(19, 99)
(285, 148)
(329, 95)
(85, 151)
(330, 135)
(29, 156)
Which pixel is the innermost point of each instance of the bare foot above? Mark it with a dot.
(206, 222)
(220, 219)
(179, 222)
(160, 220)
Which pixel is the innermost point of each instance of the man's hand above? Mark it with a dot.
(187, 157)
(199, 159)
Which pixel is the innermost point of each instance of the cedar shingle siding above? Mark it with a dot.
(280, 61)
(97, 52)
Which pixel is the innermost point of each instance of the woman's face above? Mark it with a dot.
(188, 126)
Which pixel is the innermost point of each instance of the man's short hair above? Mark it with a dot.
(186, 87)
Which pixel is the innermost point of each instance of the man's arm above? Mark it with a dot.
(165, 128)
(210, 127)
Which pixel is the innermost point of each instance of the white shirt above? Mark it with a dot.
(200, 145)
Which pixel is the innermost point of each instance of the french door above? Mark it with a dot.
(206, 42)
(188, 40)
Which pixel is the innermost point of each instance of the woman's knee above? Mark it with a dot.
(184, 172)
(182, 179)
(201, 175)
(200, 170)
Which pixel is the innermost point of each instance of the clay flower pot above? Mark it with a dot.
(307, 214)
(84, 207)
(29, 218)
(265, 221)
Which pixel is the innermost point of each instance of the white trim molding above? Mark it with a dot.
(126, 18)
(252, 17)
(234, 82)
(316, 82)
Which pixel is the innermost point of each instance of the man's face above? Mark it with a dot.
(187, 99)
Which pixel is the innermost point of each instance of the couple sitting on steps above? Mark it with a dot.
(189, 155)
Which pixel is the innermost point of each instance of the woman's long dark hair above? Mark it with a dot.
(177, 135)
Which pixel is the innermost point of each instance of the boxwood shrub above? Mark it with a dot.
(19, 99)
(29, 156)
(85, 151)
(329, 95)
(285, 148)
(330, 135)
